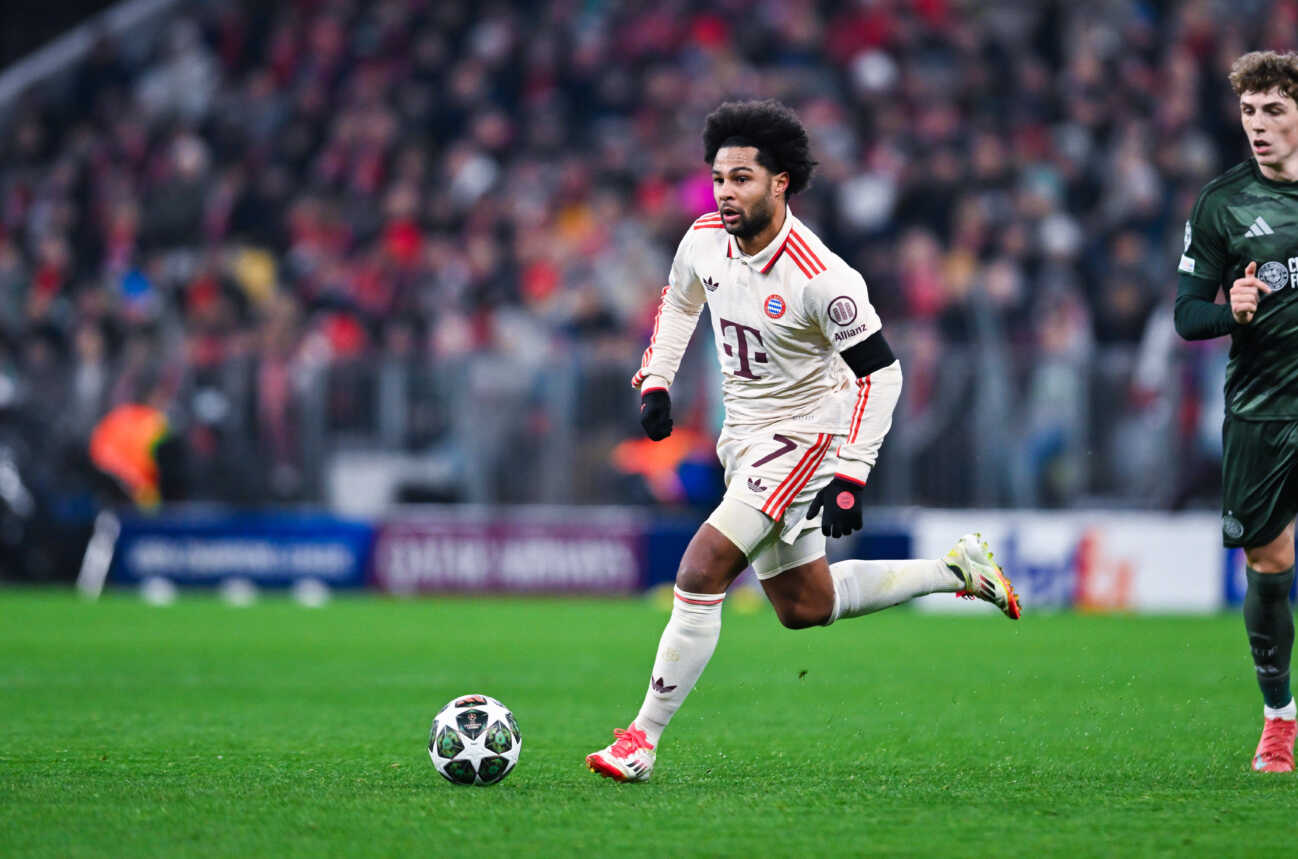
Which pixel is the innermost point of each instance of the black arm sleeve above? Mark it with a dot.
(1196, 316)
(872, 353)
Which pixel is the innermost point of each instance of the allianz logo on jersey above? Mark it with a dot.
(1278, 275)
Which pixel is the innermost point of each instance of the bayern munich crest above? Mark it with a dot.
(774, 306)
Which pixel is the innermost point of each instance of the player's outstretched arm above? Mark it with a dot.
(879, 376)
(1196, 314)
(679, 306)
(673, 326)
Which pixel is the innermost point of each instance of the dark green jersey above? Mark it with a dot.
(1242, 216)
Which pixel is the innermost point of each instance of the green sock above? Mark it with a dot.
(1269, 621)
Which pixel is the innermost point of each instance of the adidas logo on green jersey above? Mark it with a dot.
(1259, 228)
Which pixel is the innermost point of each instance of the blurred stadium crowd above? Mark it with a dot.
(308, 227)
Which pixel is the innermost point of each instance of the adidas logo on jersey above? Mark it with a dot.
(1259, 228)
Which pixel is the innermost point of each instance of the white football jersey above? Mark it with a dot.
(779, 318)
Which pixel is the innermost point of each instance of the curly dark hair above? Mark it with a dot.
(769, 126)
(1263, 71)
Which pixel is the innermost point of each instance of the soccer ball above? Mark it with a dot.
(474, 740)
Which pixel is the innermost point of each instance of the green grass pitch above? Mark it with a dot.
(201, 729)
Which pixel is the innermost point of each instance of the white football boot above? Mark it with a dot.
(983, 579)
(629, 758)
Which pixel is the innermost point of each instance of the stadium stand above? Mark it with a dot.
(312, 229)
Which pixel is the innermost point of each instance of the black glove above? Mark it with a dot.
(656, 414)
(841, 500)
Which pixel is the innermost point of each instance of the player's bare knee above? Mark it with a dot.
(1276, 556)
(702, 573)
(710, 563)
(793, 619)
(1270, 562)
(700, 580)
(802, 614)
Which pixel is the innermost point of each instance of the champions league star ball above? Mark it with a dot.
(474, 740)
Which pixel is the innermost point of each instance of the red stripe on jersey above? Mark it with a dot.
(807, 473)
(859, 412)
(778, 496)
(803, 264)
(649, 352)
(720, 598)
(709, 226)
(795, 248)
(806, 248)
(774, 257)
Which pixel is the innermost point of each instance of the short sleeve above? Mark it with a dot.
(1204, 249)
(839, 303)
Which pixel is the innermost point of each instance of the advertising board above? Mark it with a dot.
(511, 550)
(1091, 561)
(269, 549)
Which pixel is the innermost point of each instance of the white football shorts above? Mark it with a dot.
(758, 537)
(776, 474)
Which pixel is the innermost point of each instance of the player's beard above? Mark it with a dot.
(752, 223)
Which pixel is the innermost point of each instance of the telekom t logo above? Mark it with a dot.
(741, 341)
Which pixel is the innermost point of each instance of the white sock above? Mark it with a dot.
(1288, 711)
(683, 652)
(862, 587)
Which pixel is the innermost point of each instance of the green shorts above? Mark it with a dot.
(1259, 480)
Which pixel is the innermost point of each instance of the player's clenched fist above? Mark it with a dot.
(841, 501)
(656, 414)
(1245, 294)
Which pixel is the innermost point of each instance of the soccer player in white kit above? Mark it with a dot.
(809, 386)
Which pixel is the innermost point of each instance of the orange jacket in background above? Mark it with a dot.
(122, 445)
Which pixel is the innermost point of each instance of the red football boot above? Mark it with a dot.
(629, 758)
(1275, 750)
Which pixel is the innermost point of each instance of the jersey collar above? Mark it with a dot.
(764, 259)
(1257, 174)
